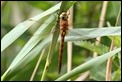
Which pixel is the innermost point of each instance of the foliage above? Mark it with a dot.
(20, 20)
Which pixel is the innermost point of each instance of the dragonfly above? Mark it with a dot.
(64, 27)
(63, 31)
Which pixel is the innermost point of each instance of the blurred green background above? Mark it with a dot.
(86, 14)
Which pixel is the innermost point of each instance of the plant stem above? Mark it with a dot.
(102, 17)
(69, 44)
(109, 62)
(37, 65)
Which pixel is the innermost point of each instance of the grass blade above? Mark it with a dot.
(10, 37)
(90, 64)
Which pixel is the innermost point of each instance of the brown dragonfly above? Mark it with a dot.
(63, 31)
(64, 27)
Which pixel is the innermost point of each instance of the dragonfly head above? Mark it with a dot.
(64, 16)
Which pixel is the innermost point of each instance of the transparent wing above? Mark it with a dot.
(93, 24)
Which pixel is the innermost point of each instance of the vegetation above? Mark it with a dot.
(30, 48)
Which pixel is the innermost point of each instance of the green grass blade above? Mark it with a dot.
(83, 34)
(66, 5)
(42, 32)
(15, 33)
(88, 65)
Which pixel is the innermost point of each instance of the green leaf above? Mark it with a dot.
(117, 40)
(100, 49)
(66, 5)
(88, 65)
(15, 33)
(41, 33)
(83, 34)
(117, 75)
(41, 4)
(98, 72)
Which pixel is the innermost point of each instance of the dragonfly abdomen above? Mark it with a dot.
(63, 33)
